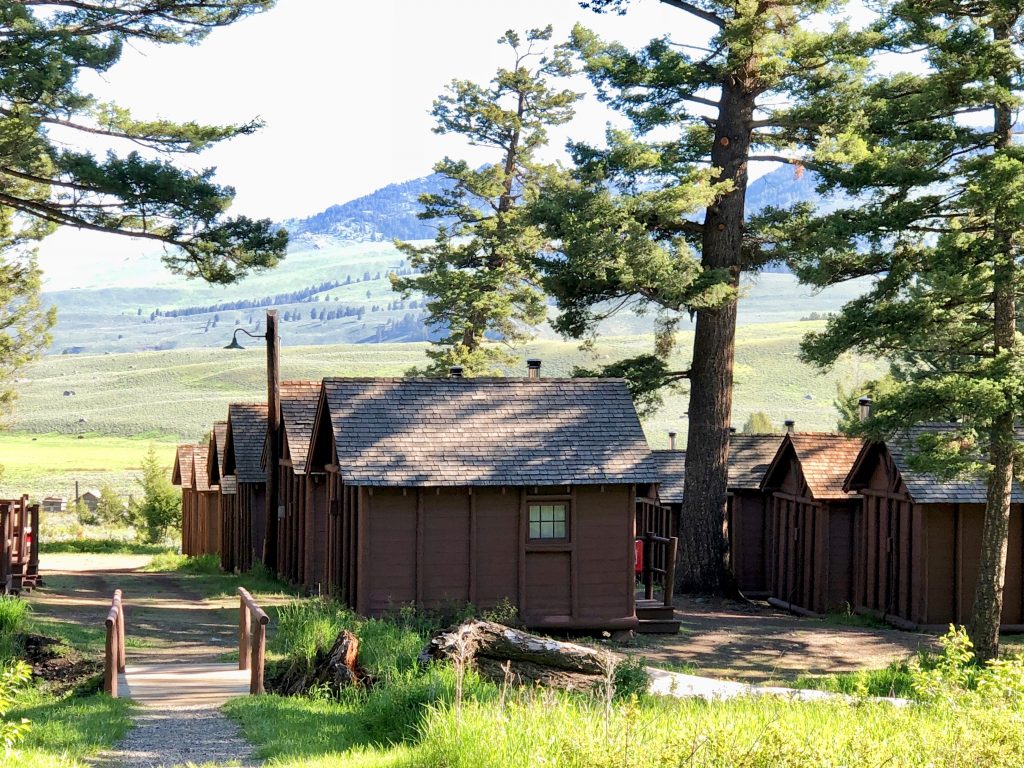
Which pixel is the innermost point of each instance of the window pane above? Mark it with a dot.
(534, 530)
(534, 513)
(559, 530)
(547, 521)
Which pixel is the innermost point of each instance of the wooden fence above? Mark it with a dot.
(659, 565)
(252, 639)
(19, 545)
(114, 651)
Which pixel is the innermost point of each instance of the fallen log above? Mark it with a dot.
(499, 653)
(335, 668)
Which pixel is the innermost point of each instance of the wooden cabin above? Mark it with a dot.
(181, 476)
(226, 500)
(302, 536)
(814, 521)
(206, 519)
(748, 513)
(243, 445)
(919, 541)
(483, 490)
(19, 545)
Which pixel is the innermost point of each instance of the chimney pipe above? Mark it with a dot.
(865, 408)
(732, 430)
(455, 372)
(533, 368)
(672, 441)
(790, 426)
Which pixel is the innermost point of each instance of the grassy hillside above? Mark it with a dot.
(122, 403)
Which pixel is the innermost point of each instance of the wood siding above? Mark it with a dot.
(750, 540)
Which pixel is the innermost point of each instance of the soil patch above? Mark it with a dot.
(754, 642)
(57, 666)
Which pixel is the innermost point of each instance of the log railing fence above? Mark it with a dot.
(252, 639)
(114, 650)
(659, 561)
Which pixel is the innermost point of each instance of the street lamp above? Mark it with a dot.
(273, 429)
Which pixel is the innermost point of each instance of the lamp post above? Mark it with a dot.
(273, 430)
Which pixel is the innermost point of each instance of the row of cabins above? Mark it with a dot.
(821, 522)
(428, 491)
(434, 491)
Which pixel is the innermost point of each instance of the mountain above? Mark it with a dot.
(386, 214)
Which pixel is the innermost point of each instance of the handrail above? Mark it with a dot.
(252, 639)
(650, 570)
(114, 661)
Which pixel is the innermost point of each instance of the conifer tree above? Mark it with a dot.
(656, 218)
(50, 175)
(478, 275)
(936, 184)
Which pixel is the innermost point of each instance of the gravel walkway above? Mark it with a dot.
(169, 737)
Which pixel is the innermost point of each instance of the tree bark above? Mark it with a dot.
(988, 592)
(499, 653)
(702, 538)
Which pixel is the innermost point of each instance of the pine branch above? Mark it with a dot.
(694, 10)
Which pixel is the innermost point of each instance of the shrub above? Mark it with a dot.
(13, 612)
(954, 676)
(159, 510)
(14, 675)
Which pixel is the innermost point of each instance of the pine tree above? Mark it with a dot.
(759, 423)
(656, 218)
(51, 177)
(938, 218)
(478, 273)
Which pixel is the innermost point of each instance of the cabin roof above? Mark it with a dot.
(248, 431)
(749, 458)
(670, 465)
(182, 473)
(299, 400)
(201, 477)
(924, 487)
(220, 434)
(824, 459)
(486, 431)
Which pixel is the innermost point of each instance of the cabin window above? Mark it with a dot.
(547, 521)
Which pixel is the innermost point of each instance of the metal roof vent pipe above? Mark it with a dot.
(865, 408)
(533, 368)
(790, 426)
(671, 441)
(455, 372)
(732, 430)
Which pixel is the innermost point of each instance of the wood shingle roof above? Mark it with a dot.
(923, 487)
(182, 473)
(452, 432)
(825, 460)
(298, 411)
(749, 458)
(201, 476)
(248, 425)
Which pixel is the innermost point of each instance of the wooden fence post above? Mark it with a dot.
(649, 565)
(670, 571)
(259, 654)
(243, 633)
(114, 648)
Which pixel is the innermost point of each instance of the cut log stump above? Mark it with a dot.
(499, 652)
(335, 668)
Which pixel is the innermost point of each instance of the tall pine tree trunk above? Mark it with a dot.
(988, 594)
(702, 537)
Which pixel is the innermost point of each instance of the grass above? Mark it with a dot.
(893, 680)
(101, 547)
(65, 730)
(204, 575)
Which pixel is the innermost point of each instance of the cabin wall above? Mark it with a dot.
(229, 531)
(443, 546)
(315, 534)
(812, 561)
(251, 501)
(750, 540)
(919, 562)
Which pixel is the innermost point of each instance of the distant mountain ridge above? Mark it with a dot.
(391, 212)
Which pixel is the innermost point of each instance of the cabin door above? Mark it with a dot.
(547, 588)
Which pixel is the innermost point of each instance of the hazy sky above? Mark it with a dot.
(345, 89)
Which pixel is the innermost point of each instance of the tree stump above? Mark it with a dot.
(335, 668)
(498, 652)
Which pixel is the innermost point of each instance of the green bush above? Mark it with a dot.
(13, 613)
(954, 677)
(159, 509)
(14, 675)
(193, 564)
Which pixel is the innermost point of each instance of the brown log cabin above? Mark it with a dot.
(226, 499)
(243, 445)
(302, 533)
(207, 529)
(748, 512)
(814, 522)
(919, 541)
(482, 490)
(181, 476)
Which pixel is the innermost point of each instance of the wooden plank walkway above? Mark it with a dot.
(183, 685)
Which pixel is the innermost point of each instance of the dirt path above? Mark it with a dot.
(167, 620)
(756, 643)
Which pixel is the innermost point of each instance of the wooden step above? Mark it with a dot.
(658, 626)
(654, 609)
